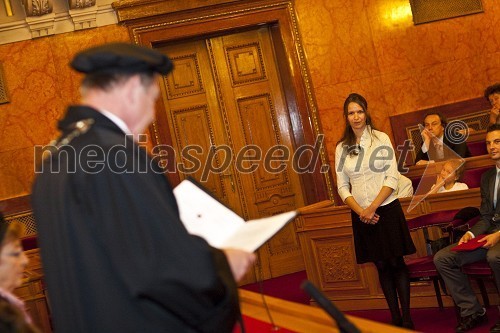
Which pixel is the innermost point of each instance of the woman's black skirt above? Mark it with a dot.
(387, 239)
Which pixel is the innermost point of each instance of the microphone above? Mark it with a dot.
(345, 326)
(354, 150)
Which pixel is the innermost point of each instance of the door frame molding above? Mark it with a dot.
(156, 22)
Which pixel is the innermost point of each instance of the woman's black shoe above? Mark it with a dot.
(408, 324)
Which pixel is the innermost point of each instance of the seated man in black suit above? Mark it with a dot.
(449, 262)
(437, 146)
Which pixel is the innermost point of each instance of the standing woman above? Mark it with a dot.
(367, 177)
(13, 261)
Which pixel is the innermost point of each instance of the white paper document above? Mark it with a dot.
(205, 216)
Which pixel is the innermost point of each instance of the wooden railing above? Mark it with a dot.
(473, 112)
(471, 163)
(301, 318)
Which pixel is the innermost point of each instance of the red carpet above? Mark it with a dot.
(428, 320)
(285, 287)
(257, 326)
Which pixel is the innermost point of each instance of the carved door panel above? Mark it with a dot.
(196, 122)
(225, 92)
(257, 115)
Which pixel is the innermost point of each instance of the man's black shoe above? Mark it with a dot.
(496, 328)
(469, 322)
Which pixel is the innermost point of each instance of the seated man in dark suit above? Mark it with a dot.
(437, 146)
(449, 262)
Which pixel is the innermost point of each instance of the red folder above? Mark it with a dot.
(470, 245)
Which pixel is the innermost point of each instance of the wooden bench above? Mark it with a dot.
(473, 169)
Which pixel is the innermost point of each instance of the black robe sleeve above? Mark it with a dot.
(164, 267)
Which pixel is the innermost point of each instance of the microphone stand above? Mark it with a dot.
(345, 326)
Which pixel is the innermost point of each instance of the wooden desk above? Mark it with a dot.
(302, 318)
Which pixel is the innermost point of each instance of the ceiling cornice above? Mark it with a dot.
(51, 17)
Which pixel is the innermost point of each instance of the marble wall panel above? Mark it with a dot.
(30, 82)
(67, 45)
(426, 87)
(412, 67)
(486, 28)
(400, 44)
(332, 119)
(40, 85)
(337, 39)
(393, 36)
(448, 81)
(365, 46)
(16, 172)
(401, 89)
(489, 64)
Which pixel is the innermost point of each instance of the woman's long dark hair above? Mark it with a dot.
(349, 138)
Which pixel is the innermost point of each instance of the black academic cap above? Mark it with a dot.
(121, 58)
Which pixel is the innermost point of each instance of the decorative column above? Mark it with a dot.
(83, 13)
(39, 17)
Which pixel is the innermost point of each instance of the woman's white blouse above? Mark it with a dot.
(362, 176)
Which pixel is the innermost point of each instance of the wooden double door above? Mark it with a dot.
(230, 128)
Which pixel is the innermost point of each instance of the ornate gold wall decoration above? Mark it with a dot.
(83, 13)
(337, 262)
(39, 17)
(79, 4)
(37, 7)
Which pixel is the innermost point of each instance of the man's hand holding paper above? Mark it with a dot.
(204, 216)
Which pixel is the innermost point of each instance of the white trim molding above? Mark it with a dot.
(66, 16)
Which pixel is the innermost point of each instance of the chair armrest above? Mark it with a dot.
(473, 221)
(459, 226)
(457, 223)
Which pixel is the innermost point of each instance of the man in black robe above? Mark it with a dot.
(116, 256)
